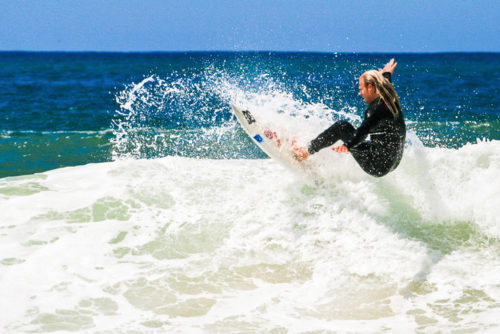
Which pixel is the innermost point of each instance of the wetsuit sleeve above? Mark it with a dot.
(387, 75)
(362, 132)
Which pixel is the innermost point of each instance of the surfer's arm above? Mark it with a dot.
(388, 69)
(364, 129)
(387, 75)
(359, 136)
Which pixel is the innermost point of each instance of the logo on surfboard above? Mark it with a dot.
(258, 138)
(248, 116)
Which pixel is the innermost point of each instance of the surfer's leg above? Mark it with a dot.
(340, 130)
(372, 159)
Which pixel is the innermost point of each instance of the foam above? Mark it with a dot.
(235, 245)
(196, 240)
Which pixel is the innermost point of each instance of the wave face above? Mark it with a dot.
(201, 245)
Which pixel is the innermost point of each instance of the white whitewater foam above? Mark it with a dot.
(190, 245)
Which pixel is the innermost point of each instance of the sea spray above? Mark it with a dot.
(190, 115)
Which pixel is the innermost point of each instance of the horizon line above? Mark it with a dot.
(249, 51)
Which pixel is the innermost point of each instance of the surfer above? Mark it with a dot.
(378, 144)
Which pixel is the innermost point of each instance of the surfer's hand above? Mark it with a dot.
(341, 149)
(389, 67)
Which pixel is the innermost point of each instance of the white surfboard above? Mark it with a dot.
(276, 143)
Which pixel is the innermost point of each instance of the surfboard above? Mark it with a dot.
(276, 143)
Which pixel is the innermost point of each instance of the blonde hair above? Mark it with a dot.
(384, 88)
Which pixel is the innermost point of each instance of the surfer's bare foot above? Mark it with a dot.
(301, 153)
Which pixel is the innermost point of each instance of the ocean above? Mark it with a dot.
(132, 201)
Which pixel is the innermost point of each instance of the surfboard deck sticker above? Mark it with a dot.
(276, 143)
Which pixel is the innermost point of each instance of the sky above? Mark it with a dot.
(239, 25)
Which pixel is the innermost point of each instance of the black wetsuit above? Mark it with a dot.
(383, 151)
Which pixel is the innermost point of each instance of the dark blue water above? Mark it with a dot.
(63, 109)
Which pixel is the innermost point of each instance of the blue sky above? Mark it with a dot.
(293, 25)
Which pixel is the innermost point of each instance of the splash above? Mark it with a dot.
(189, 114)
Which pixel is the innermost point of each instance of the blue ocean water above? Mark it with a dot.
(60, 109)
(131, 200)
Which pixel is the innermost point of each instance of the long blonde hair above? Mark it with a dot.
(384, 88)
